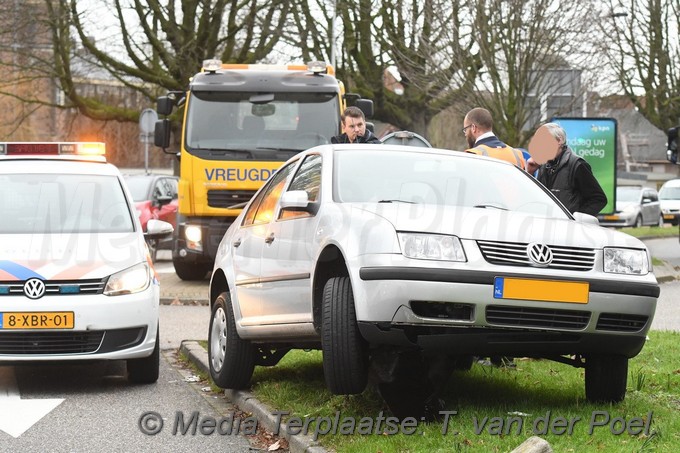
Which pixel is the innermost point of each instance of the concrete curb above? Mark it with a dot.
(247, 402)
(666, 273)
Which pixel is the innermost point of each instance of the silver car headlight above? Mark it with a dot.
(625, 261)
(131, 280)
(431, 247)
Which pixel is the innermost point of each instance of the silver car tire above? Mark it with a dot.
(606, 378)
(638, 221)
(232, 359)
(345, 352)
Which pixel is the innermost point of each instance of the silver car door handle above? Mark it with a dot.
(269, 239)
(236, 243)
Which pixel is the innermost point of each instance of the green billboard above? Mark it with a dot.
(594, 139)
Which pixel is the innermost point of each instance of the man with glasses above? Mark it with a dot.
(478, 130)
(477, 127)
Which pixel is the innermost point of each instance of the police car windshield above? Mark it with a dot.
(63, 203)
(230, 121)
(437, 179)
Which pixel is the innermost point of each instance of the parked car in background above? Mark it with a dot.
(669, 197)
(374, 254)
(635, 206)
(155, 197)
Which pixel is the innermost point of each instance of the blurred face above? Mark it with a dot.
(354, 127)
(543, 146)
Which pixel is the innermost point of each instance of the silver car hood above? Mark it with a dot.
(497, 225)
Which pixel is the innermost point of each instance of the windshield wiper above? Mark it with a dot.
(397, 201)
(484, 206)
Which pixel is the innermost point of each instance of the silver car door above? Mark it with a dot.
(288, 253)
(247, 245)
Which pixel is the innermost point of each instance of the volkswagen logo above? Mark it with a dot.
(34, 288)
(539, 254)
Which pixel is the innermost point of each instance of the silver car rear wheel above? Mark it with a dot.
(232, 359)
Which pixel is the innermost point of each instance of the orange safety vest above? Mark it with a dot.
(508, 154)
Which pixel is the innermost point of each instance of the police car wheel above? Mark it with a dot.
(145, 370)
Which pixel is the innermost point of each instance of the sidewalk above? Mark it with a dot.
(175, 291)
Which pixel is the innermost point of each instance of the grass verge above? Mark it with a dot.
(496, 409)
(651, 231)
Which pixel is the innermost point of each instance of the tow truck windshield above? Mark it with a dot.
(254, 122)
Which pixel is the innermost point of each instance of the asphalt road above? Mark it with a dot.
(101, 411)
(667, 249)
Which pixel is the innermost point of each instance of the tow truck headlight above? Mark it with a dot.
(431, 247)
(625, 261)
(129, 281)
(192, 234)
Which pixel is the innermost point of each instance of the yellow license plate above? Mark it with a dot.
(668, 216)
(541, 290)
(611, 217)
(37, 320)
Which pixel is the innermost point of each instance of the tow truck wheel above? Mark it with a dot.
(190, 271)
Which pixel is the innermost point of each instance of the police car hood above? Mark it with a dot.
(493, 224)
(68, 256)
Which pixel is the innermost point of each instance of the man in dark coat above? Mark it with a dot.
(570, 178)
(354, 127)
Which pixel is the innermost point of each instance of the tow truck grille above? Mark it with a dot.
(228, 198)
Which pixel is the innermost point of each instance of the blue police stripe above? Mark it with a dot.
(19, 271)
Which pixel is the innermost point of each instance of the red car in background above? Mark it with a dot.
(155, 197)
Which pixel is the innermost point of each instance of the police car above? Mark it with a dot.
(76, 281)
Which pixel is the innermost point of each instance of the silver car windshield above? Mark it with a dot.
(627, 194)
(50, 203)
(384, 176)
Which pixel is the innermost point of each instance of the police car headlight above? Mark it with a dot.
(431, 247)
(625, 261)
(129, 281)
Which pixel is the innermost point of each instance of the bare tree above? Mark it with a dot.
(522, 60)
(535, 58)
(147, 46)
(643, 48)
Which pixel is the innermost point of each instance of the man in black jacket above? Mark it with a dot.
(354, 127)
(569, 177)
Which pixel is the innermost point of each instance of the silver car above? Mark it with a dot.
(636, 206)
(367, 251)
